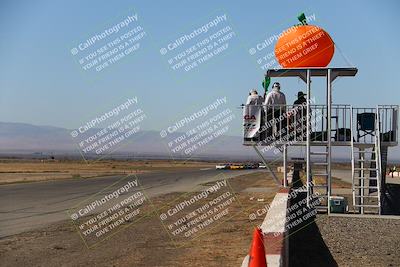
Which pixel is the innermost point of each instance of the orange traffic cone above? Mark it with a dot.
(257, 252)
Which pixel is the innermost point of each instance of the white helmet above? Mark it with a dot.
(276, 85)
(253, 92)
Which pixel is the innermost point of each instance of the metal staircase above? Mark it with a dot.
(318, 165)
(318, 185)
(366, 171)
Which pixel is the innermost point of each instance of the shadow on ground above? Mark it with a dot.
(306, 245)
(391, 200)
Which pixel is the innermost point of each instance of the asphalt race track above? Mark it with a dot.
(27, 206)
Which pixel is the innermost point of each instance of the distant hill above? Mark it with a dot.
(22, 138)
(28, 138)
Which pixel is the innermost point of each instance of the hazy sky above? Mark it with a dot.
(42, 83)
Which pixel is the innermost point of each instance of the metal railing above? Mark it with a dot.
(365, 120)
(388, 116)
(287, 123)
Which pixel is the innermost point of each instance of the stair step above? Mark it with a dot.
(367, 196)
(300, 190)
(318, 153)
(320, 163)
(320, 174)
(365, 187)
(321, 207)
(366, 178)
(366, 169)
(320, 186)
(363, 160)
(320, 196)
(361, 152)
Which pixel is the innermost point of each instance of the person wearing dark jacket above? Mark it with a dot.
(300, 113)
(300, 99)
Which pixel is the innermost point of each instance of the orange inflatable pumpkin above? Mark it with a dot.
(304, 46)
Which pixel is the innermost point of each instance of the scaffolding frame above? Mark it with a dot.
(305, 74)
(339, 119)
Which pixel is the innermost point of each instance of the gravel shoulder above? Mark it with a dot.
(344, 241)
(361, 241)
(323, 240)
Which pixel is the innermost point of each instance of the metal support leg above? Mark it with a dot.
(362, 184)
(285, 181)
(308, 161)
(267, 166)
(329, 126)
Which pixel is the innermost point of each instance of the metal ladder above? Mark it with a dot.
(366, 172)
(318, 173)
(319, 180)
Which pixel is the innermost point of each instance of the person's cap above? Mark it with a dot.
(276, 84)
(300, 94)
(253, 91)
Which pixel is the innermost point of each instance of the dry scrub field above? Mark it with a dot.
(17, 171)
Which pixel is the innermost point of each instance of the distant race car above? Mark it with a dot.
(251, 166)
(222, 166)
(262, 166)
(237, 167)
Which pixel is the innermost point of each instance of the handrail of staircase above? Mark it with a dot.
(378, 156)
(352, 155)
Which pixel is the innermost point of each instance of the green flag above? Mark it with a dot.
(302, 18)
(266, 82)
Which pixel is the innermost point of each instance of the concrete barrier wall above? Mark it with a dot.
(276, 240)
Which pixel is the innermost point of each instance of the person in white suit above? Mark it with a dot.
(275, 106)
(254, 98)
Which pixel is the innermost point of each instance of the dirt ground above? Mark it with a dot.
(343, 241)
(146, 242)
(16, 171)
(361, 241)
(324, 240)
(34, 170)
